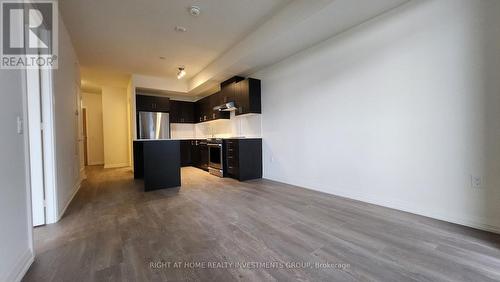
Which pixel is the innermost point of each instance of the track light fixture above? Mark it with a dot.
(181, 73)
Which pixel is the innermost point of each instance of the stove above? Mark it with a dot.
(215, 159)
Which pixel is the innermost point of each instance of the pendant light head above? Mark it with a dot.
(181, 73)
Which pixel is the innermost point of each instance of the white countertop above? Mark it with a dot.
(180, 139)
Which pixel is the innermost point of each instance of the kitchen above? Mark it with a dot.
(219, 133)
(358, 143)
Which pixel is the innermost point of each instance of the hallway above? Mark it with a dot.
(113, 231)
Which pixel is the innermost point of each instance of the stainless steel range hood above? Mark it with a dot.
(227, 107)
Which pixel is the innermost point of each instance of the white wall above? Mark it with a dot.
(95, 144)
(66, 121)
(130, 119)
(399, 112)
(15, 241)
(115, 127)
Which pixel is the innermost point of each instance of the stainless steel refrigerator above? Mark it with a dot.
(153, 125)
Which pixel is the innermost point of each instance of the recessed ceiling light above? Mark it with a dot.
(179, 28)
(194, 11)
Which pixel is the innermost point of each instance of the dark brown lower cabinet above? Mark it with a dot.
(195, 153)
(243, 158)
(158, 163)
(198, 153)
(186, 156)
(203, 162)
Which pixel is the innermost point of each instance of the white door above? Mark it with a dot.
(35, 146)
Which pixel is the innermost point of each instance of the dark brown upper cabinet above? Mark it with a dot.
(201, 107)
(216, 100)
(245, 93)
(205, 109)
(248, 97)
(228, 93)
(233, 79)
(146, 103)
(182, 112)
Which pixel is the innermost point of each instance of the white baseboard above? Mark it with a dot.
(95, 163)
(116, 165)
(406, 207)
(76, 189)
(424, 212)
(21, 267)
(83, 174)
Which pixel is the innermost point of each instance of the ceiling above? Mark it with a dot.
(298, 26)
(229, 37)
(130, 36)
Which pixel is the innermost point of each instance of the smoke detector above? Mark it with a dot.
(194, 11)
(179, 28)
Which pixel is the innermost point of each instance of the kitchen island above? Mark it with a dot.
(158, 162)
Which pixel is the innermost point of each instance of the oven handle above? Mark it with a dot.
(214, 145)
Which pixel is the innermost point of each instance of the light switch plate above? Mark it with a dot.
(476, 181)
(19, 125)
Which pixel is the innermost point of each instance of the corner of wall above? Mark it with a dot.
(120, 165)
(76, 188)
(21, 266)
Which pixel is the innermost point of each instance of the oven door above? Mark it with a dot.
(215, 156)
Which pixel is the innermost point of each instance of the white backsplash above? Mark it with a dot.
(249, 125)
(181, 131)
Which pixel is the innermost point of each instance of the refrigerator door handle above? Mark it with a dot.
(154, 125)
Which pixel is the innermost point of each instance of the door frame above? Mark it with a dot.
(85, 135)
(27, 159)
(49, 152)
(46, 120)
(35, 135)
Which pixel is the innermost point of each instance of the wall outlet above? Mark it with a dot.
(476, 182)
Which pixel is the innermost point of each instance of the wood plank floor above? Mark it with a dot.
(113, 232)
